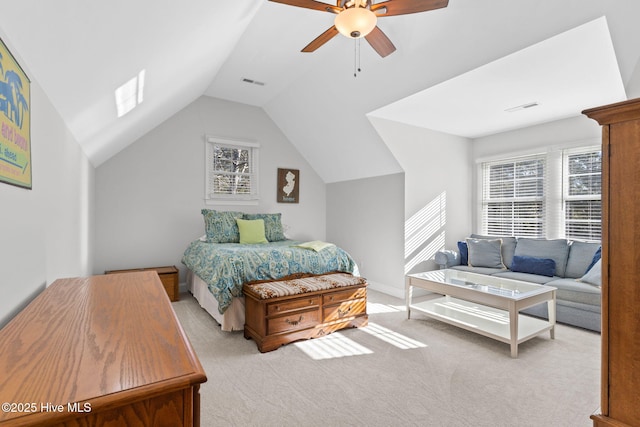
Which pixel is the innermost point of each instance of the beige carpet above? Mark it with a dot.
(395, 372)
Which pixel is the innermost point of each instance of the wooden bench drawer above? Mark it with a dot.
(293, 321)
(278, 312)
(338, 296)
(295, 304)
(345, 310)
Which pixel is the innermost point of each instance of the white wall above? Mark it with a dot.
(633, 85)
(149, 196)
(47, 231)
(365, 217)
(437, 189)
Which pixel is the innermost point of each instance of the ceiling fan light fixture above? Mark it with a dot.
(355, 22)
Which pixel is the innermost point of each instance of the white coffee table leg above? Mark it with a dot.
(551, 308)
(408, 291)
(513, 329)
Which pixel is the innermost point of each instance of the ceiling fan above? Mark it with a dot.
(358, 18)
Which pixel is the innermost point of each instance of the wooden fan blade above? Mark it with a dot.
(321, 39)
(380, 42)
(310, 4)
(403, 7)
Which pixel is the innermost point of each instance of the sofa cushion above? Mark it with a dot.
(594, 275)
(508, 246)
(580, 257)
(596, 257)
(485, 253)
(556, 249)
(464, 252)
(526, 277)
(573, 290)
(529, 264)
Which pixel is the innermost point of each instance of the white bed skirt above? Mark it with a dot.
(233, 317)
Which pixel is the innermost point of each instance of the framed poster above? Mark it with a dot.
(15, 121)
(288, 185)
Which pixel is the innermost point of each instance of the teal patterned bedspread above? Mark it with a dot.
(225, 267)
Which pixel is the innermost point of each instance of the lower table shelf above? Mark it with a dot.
(481, 319)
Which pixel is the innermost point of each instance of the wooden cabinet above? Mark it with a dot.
(168, 276)
(99, 351)
(620, 405)
(276, 321)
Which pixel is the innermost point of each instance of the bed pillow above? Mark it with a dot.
(533, 265)
(485, 253)
(251, 231)
(273, 230)
(221, 226)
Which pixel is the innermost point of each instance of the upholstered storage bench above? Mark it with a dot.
(303, 307)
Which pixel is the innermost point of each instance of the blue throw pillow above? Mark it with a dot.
(464, 252)
(596, 258)
(532, 265)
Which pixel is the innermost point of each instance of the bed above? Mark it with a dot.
(217, 271)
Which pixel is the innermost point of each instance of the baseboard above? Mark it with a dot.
(386, 289)
(182, 287)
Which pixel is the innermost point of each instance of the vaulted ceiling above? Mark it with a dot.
(80, 52)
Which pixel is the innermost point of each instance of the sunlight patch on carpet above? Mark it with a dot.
(331, 347)
(376, 308)
(401, 341)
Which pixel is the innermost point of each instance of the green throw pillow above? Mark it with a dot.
(251, 231)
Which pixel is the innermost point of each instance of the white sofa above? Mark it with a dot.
(573, 267)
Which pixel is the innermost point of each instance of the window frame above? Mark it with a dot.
(514, 200)
(211, 197)
(590, 197)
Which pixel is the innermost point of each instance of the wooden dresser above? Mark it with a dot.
(168, 276)
(620, 389)
(99, 351)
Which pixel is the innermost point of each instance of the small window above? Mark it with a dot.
(582, 195)
(231, 170)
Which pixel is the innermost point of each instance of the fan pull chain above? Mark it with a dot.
(356, 57)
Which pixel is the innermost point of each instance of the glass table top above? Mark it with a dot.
(483, 283)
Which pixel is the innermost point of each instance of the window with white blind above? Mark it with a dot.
(514, 197)
(582, 194)
(231, 170)
(552, 195)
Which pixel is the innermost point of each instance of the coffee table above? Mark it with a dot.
(487, 305)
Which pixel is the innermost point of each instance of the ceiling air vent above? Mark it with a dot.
(251, 81)
(522, 107)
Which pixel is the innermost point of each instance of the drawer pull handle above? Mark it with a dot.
(343, 313)
(294, 322)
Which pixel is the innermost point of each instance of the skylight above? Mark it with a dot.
(130, 94)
